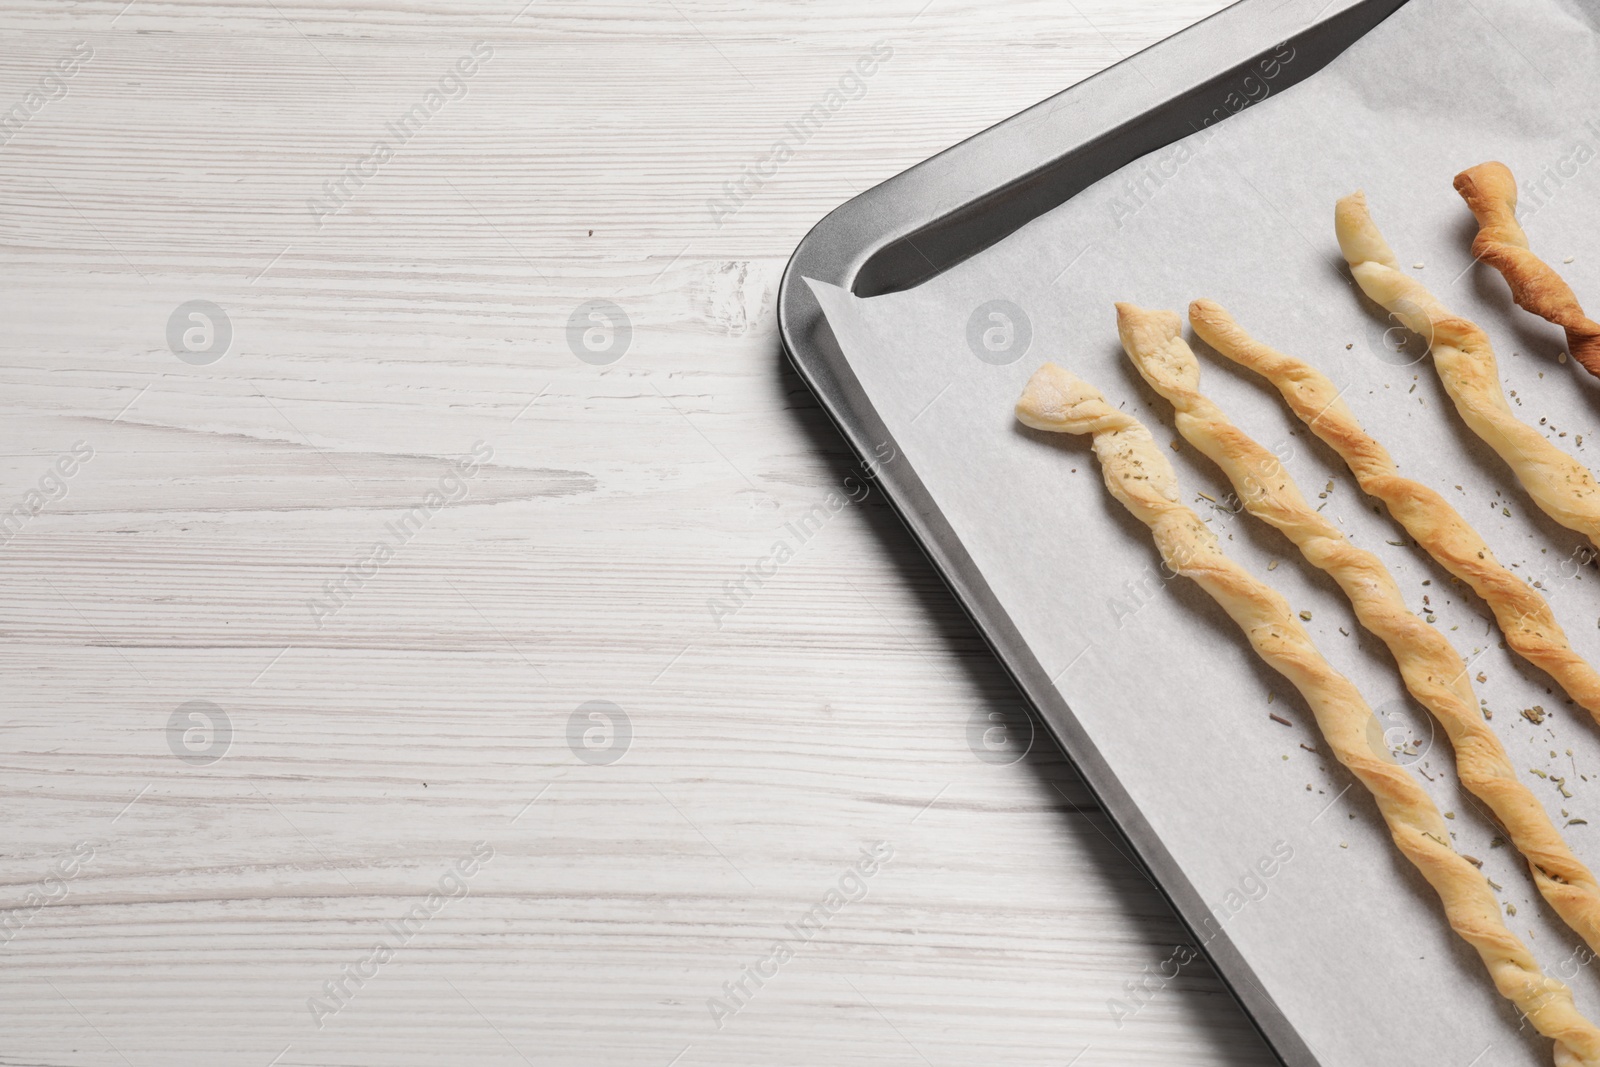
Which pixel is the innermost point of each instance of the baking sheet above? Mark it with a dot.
(1347, 939)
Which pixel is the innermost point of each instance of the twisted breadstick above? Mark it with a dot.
(1490, 191)
(1525, 618)
(1561, 486)
(1430, 667)
(1138, 474)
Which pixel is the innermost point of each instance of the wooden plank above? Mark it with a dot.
(425, 701)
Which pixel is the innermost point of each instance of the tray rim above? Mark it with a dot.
(845, 241)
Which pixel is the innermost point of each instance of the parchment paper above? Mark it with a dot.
(1347, 938)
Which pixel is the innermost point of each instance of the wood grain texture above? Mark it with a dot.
(432, 709)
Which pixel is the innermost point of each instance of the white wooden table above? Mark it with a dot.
(274, 521)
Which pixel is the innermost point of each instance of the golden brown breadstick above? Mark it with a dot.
(1432, 670)
(1490, 190)
(1137, 474)
(1561, 486)
(1525, 618)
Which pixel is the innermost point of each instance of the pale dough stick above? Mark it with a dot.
(1138, 474)
(1525, 618)
(1432, 670)
(1561, 486)
(1490, 191)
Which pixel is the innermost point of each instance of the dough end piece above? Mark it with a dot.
(1059, 401)
(1490, 190)
(1359, 237)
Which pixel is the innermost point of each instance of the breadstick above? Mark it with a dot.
(1525, 617)
(1139, 476)
(1432, 670)
(1490, 190)
(1561, 486)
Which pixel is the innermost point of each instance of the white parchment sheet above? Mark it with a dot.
(1347, 938)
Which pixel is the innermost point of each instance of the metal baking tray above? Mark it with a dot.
(941, 212)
